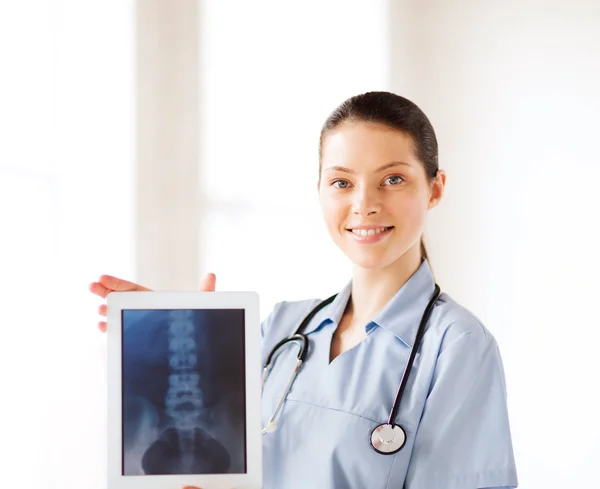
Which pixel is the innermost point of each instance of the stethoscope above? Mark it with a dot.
(387, 438)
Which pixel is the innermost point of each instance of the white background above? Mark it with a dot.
(511, 89)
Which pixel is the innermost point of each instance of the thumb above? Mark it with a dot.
(208, 283)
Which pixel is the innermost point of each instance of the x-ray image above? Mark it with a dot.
(183, 392)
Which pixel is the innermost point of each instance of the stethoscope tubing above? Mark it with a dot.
(301, 339)
(413, 353)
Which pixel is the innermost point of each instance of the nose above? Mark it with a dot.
(367, 202)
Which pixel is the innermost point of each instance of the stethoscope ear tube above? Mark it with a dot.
(296, 338)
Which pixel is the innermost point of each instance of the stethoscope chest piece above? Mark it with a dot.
(387, 438)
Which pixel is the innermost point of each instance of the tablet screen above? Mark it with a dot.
(183, 398)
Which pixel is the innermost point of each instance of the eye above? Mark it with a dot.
(394, 180)
(340, 184)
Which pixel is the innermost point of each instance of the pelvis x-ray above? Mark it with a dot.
(183, 392)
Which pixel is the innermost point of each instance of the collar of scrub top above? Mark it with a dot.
(401, 315)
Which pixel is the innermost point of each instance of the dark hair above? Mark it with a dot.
(397, 113)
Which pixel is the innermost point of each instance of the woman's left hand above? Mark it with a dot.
(191, 487)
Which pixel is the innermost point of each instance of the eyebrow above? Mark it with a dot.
(377, 170)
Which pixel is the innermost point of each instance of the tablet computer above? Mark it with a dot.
(183, 390)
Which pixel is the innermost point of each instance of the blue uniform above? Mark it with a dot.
(453, 410)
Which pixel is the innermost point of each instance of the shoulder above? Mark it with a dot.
(466, 379)
(465, 348)
(453, 325)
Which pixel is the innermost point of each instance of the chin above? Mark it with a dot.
(370, 261)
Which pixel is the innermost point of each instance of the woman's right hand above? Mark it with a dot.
(107, 284)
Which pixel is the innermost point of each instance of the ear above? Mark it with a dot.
(437, 189)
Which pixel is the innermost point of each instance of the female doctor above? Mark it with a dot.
(401, 387)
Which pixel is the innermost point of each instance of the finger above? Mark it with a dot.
(208, 283)
(102, 326)
(119, 285)
(99, 289)
(102, 309)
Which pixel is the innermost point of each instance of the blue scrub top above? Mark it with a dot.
(453, 409)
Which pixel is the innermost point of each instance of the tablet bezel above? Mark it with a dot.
(249, 302)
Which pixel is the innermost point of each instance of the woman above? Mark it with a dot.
(378, 177)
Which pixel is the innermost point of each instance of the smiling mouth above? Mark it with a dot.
(369, 232)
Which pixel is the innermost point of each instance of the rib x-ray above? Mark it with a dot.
(183, 392)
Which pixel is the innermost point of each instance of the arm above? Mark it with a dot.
(463, 440)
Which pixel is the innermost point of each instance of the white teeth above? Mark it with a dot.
(368, 232)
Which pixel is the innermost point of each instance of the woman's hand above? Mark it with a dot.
(191, 487)
(107, 284)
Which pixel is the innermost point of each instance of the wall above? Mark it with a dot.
(270, 75)
(66, 215)
(512, 89)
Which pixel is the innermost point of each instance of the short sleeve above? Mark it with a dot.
(265, 324)
(463, 440)
(268, 329)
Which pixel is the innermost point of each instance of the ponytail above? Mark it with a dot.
(424, 255)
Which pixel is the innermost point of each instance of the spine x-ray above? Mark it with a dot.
(183, 392)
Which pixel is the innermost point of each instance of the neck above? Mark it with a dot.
(373, 289)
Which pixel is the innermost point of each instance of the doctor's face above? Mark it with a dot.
(374, 192)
